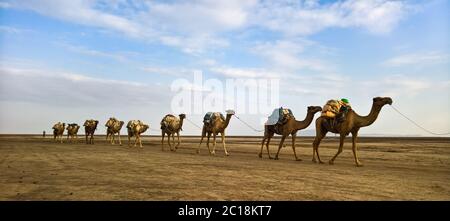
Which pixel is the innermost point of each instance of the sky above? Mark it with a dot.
(74, 60)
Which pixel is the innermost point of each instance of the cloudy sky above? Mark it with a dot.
(73, 60)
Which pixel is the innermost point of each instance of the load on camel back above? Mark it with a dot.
(211, 116)
(336, 109)
(280, 116)
(170, 121)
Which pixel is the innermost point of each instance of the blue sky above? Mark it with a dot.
(73, 60)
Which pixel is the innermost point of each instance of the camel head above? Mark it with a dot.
(182, 116)
(381, 101)
(230, 112)
(144, 128)
(314, 109)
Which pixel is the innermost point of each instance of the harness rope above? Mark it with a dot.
(248, 125)
(193, 123)
(417, 125)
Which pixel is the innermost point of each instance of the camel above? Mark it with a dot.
(113, 127)
(289, 128)
(72, 130)
(216, 126)
(353, 122)
(136, 128)
(171, 125)
(58, 130)
(89, 128)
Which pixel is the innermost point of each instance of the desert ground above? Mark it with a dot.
(36, 168)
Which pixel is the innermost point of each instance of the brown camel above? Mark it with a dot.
(171, 125)
(289, 128)
(72, 131)
(216, 126)
(89, 128)
(58, 131)
(353, 122)
(113, 127)
(136, 128)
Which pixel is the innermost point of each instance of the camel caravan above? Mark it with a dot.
(336, 116)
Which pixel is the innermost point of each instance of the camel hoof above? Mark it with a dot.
(321, 162)
(260, 155)
(331, 162)
(227, 154)
(359, 165)
(198, 151)
(213, 153)
(298, 159)
(270, 158)
(276, 158)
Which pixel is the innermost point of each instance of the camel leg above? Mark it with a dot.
(214, 144)
(268, 144)
(120, 141)
(113, 141)
(341, 145)
(207, 143)
(281, 145)
(262, 145)
(140, 141)
(320, 134)
(162, 140)
(201, 140)
(178, 136)
(223, 143)
(168, 141)
(294, 136)
(173, 141)
(355, 148)
(129, 141)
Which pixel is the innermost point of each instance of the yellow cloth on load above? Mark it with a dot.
(331, 108)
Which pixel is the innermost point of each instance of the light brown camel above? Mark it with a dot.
(58, 131)
(215, 126)
(353, 122)
(89, 128)
(171, 125)
(136, 128)
(72, 131)
(113, 127)
(289, 128)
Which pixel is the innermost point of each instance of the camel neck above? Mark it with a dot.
(227, 120)
(306, 122)
(364, 121)
(181, 122)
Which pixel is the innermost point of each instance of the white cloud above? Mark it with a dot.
(286, 55)
(425, 58)
(305, 18)
(232, 72)
(61, 88)
(92, 52)
(197, 25)
(176, 72)
(13, 30)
